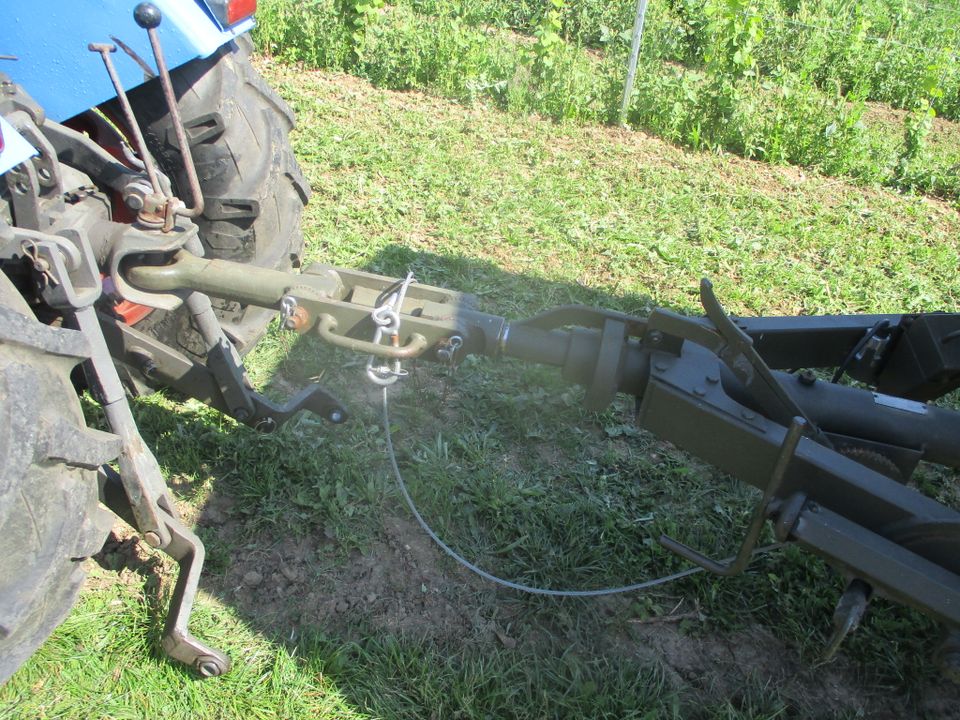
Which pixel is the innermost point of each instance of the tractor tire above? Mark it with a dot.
(254, 192)
(51, 519)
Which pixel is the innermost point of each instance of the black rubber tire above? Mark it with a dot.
(50, 515)
(254, 192)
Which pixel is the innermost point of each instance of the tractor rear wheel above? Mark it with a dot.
(51, 519)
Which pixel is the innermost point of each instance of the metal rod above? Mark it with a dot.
(634, 56)
(742, 559)
(148, 17)
(105, 50)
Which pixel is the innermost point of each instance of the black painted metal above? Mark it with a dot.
(709, 386)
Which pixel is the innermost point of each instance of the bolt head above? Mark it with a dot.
(266, 426)
(147, 15)
(133, 201)
(209, 667)
(336, 416)
(151, 538)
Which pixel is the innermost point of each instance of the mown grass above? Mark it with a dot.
(525, 214)
(783, 82)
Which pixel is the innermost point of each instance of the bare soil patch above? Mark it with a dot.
(402, 585)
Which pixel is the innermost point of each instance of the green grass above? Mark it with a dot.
(526, 214)
(781, 91)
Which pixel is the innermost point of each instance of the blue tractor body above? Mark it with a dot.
(49, 41)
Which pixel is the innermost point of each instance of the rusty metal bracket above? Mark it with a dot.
(177, 641)
(314, 398)
(72, 284)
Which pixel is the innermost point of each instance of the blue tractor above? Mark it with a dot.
(97, 106)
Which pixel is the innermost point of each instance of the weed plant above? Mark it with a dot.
(786, 82)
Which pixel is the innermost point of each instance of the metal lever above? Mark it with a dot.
(187, 549)
(148, 17)
(745, 362)
(739, 563)
(105, 49)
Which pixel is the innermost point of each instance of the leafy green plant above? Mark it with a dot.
(919, 122)
(916, 127)
(735, 28)
(357, 15)
(549, 43)
(780, 80)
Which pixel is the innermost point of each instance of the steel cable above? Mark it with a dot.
(509, 583)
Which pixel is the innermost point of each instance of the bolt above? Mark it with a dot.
(151, 538)
(807, 377)
(661, 366)
(700, 391)
(949, 656)
(713, 378)
(241, 414)
(950, 666)
(298, 320)
(655, 337)
(336, 416)
(208, 667)
(133, 200)
(266, 426)
(748, 415)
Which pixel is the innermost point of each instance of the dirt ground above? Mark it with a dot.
(403, 585)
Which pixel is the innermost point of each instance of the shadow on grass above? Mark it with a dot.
(308, 541)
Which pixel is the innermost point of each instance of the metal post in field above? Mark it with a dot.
(634, 55)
